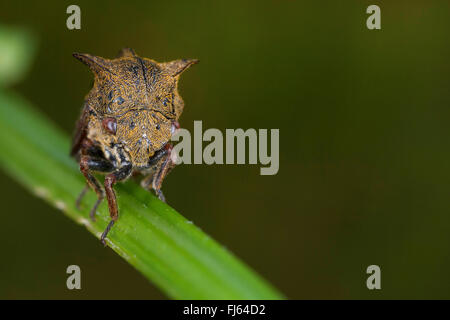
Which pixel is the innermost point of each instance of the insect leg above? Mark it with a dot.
(162, 168)
(86, 165)
(121, 174)
(80, 196)
(154, 163)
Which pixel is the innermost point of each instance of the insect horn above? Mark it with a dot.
(176, 67)
(96, 64)
(126, 52)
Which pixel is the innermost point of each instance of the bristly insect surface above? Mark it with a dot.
(127, 121)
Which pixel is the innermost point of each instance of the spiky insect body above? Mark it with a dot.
(127, 121)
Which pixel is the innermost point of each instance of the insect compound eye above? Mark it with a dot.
(110, 125)
(175, 127)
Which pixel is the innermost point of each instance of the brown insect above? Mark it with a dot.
(127, 121)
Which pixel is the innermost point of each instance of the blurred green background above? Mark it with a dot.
(364, 150)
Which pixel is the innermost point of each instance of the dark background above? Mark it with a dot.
(364, 151)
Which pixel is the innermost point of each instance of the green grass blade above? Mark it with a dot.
(168, 249)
